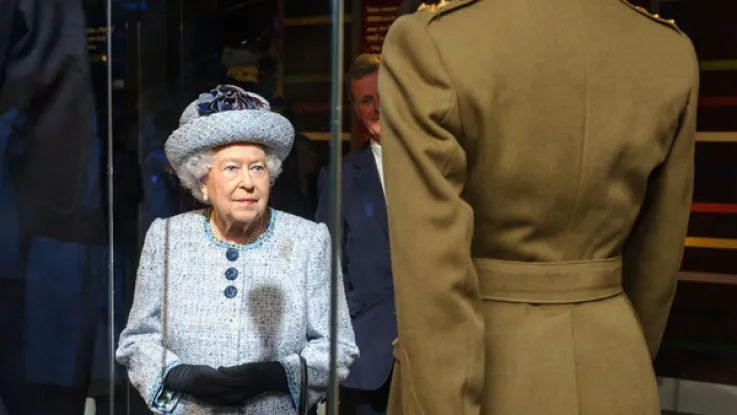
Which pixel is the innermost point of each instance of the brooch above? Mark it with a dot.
(285, 248)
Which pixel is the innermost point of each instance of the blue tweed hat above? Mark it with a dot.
(228, 114)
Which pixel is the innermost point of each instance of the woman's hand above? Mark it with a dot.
(258, 378)
(206, 384)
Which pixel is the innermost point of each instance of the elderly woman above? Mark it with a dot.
(232, 303)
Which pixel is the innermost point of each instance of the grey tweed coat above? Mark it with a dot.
(199, 300)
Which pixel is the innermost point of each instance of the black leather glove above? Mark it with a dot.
(258, 378)
(206, 384)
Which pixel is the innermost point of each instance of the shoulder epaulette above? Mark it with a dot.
(656, 17)
(443, 7)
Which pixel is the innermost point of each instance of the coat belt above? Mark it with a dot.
(549, 282)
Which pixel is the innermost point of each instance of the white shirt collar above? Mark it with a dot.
(376, 150)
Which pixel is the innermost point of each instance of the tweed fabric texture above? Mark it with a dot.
(281, 310)
(199, 132)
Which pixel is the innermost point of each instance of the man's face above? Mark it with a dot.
(365, 95)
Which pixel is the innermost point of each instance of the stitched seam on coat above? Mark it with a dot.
(573, 355)
(582, 161)
(455, 105)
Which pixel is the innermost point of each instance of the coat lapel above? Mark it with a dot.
(367, 179)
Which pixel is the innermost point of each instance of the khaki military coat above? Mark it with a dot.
(538, 159)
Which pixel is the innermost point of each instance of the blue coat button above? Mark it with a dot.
(231, 254)
(231, 274)
(231, 291)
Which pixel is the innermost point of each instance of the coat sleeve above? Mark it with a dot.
(141, 348)
(317, 351)
(652, 253)
(440, 351)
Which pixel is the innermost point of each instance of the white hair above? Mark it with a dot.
(193, 172)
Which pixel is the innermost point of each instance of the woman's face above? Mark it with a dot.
(238, 182)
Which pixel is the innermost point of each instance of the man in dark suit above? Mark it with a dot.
(365, 255)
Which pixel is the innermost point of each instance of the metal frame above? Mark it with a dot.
(336, 147)
(110, 211)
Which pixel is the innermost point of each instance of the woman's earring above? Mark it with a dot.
(205, 197)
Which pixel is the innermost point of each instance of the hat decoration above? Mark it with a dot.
(228, 98)
(225, 115)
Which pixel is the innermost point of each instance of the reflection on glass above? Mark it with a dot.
(54, 255)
